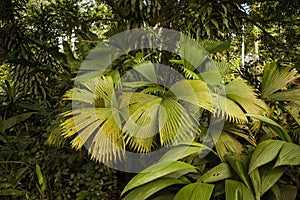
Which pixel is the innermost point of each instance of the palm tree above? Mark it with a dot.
(148, 115)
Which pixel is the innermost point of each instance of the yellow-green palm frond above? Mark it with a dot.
(276, 78)
(240, 99)
(193, 91)
(287, 95)
(175, 124)
(243, 94)
(141, 120)
(96, 119)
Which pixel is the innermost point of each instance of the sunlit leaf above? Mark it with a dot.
(199, 191)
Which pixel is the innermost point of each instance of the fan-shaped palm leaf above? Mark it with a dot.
(96, 120)
(276, 78)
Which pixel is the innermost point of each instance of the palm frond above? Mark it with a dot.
(96, 120)
(215, 46)
(243, 94)
(175, 124)
(293, 109)
(276, 78)
(287, 95)
(193, 91)
(141, 122)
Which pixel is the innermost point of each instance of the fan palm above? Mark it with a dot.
(146, 115)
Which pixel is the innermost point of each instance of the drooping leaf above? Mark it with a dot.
(199, 191)
(241, 93)
(14, 120)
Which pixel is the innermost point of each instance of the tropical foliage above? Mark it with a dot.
(46, 144)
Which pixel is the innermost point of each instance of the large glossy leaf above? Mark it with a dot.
(289, 155)
(218, 173)
(235, 190)
(151, 188)
(269, 176)
(275, 126)
(199, 191)
(155, 171)
(265, 152)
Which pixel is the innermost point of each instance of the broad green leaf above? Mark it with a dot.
(275, 126)
(256, 182)
(183, 150)
(151, 188)
(269, 176)
(180, 174)
(235, 190)
(240, 163)
(289, 155)
(199, 191)
(218, 173)
(265, 152)
(155, 171)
